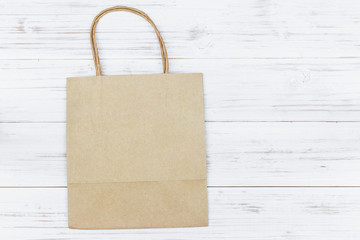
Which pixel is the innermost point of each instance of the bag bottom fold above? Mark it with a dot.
(154, 204)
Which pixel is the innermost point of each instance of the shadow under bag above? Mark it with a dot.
(136, 153)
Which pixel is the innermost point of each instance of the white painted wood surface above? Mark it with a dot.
(255, 213)
(282, 106)
(235, 89)
(238, 154)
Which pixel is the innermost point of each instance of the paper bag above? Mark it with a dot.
(136, 148)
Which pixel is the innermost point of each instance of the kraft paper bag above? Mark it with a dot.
(136, 147)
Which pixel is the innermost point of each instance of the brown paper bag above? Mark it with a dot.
(136, 148)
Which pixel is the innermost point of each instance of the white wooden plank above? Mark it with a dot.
(235, 90)
(234, 213)
(59, 29)
(239, 154)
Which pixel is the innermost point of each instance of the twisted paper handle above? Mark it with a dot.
(95, 50)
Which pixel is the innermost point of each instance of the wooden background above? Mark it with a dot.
(282, 106)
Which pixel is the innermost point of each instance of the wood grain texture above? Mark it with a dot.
(238, 154)
(282, 106)
(205, 29)
(235, 90)
(234, 213)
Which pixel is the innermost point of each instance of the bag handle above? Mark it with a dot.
(94, 47)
